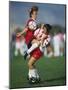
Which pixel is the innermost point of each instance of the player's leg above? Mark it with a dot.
(61, 48)
(17, 46)
(32, 74)
(21, 50)
(34, 44)
(31, 67)
(56, 49)
(36, 55)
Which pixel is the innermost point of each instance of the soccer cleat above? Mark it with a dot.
(32, 80)
(25, 56)
(38, 80)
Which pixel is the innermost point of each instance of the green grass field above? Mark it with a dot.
(51, 70)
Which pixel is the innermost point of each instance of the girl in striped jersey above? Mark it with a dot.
(41, 39)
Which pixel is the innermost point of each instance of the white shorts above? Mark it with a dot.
(17, 45)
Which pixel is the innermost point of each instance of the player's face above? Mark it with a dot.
(34, 15)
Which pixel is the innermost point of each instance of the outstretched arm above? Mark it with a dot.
(23, 31)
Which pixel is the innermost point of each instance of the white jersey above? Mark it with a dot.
(40, 35)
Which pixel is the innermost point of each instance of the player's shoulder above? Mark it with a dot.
(29, 20)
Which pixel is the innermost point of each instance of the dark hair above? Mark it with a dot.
(38, 25)
(48, 27)
(34, 8)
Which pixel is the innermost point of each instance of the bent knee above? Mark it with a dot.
(35, 41)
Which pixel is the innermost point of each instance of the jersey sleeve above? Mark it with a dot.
(27, 23)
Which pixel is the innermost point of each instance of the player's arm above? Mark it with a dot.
(47, 41)
(23, 31)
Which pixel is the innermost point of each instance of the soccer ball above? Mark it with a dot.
(32, 25)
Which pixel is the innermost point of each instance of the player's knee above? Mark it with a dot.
(35, 41)
(38, 43)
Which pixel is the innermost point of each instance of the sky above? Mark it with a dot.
(48, 13)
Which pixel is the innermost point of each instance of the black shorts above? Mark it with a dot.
(29, 45)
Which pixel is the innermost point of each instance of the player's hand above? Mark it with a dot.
(18, 35)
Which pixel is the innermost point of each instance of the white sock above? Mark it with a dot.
(32, 73)
(34, 46)
(37, 75)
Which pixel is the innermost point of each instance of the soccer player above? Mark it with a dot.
(17, 43)
(58, 44)
(41, 38)
(29, 30)
(36, 54)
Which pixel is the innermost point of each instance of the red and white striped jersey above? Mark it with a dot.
(41, 36)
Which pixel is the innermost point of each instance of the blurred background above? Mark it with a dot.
(52, 14)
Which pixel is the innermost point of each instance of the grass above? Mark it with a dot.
(51, 70)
